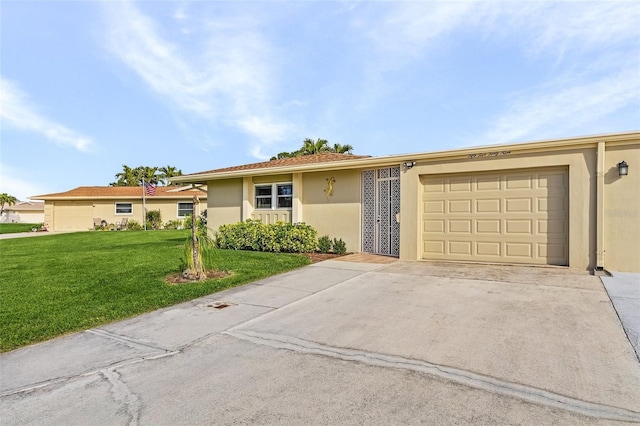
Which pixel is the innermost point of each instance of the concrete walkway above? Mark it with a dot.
(344, 342)
(624, 290)
(32, 234)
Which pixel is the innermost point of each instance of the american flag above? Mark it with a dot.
(150, 189)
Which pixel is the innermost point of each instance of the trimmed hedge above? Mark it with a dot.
(276, 237)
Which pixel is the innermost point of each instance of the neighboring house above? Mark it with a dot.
(23, 212)
(75, 210)
(557, 202)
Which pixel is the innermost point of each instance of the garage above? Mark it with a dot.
(515, 216)
(72, 215)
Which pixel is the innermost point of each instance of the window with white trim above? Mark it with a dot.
(185, 209)
(124, 208)
(274, 196)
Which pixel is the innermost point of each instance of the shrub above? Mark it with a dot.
(173, 224)
(339, 246)
(277, 237)
(324, 244)
(154, 219)
(133, 225)
(200, 223)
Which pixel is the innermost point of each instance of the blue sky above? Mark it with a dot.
(87, 86)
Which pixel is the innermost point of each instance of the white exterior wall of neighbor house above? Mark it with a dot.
(21, 217)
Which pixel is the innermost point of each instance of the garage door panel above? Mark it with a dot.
(510, 216)
(490, 183)
(434, 226)
(460, 206)
(488, 206)
(519, 250)
(460, 226)
(488, 226)
(460, 185)
(434, 247)
(486, 248)
(460, 248)
(518, 227)
(523, 181)
(518, 205)
(434, 207)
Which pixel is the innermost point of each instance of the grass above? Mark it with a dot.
(12, 228)
(57, 284)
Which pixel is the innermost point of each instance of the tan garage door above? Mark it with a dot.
(510, 216)
(72, 215)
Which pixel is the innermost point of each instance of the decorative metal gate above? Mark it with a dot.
(380, 207)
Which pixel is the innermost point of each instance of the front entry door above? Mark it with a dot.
(380, 210)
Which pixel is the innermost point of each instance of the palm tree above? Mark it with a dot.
(168, 172)
(309, 147)
(342, 149)
(149, 174)
(285, 154)
(127, 177)
(6, 200)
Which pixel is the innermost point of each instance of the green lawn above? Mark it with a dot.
(56, 284)
(12, 228)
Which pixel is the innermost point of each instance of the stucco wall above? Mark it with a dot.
(338, 217)
(582, 190)
(622, 210)
(224, 199)
(106, 209)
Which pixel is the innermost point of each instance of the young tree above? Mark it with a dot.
(6, 200)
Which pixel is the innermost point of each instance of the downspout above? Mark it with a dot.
(296, 207)
(246, 199)
(600, 209)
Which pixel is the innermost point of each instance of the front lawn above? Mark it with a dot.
(12, 228)
(57, 284)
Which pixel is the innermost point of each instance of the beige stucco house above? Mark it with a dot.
(76, 210)
(557, 202)
(23, 212)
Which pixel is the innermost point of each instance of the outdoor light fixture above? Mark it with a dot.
(623, 168)
(409, 164)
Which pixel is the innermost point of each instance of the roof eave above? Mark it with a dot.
(363, 163)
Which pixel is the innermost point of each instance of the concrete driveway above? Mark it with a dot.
(343, 342)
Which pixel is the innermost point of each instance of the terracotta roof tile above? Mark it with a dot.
(284, 162)
(121, 191)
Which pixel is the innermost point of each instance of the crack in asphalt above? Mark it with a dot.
(468, 378)
(121, 394)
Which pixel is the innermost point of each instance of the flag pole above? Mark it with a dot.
(144, 205)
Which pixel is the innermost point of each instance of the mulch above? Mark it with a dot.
(179, 279)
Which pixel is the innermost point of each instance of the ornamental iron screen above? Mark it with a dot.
(380, 207)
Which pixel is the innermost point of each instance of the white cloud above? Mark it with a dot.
(229, 80)
(564, 107)
(17, 111)
(12, 182)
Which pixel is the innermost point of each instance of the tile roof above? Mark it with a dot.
(25, 206)
(284, 162)
(122, 192)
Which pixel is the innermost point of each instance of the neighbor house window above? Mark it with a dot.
(124, 208)
(274, 196)
(185, 209)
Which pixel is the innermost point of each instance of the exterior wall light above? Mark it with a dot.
(623, 168)
(409, 164)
